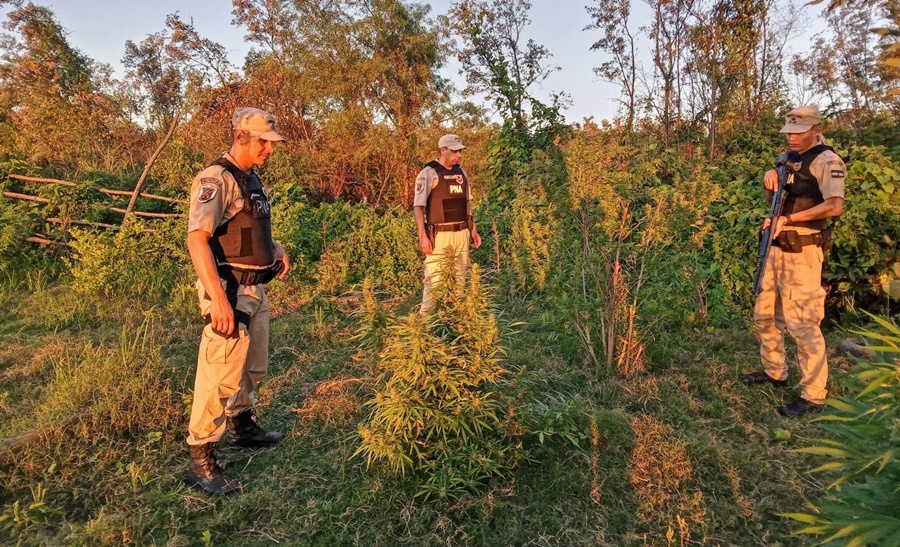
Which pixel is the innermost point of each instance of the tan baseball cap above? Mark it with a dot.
(257, 122)
(801, 119)
(453, 142)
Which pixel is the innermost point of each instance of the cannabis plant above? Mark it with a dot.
(438, 409)
(863, 506)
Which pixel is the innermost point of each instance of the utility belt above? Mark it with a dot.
(449, 226)
(432, 229)
(234, 277)
(792, 242)
(250, 277)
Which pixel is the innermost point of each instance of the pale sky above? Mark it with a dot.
(99, 28)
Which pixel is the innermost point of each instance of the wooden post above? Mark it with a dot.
(156, 153)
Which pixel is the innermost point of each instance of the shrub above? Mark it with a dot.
(438, 407)
(340, 244)
(144, 259)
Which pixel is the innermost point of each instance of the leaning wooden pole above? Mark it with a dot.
(156, 153)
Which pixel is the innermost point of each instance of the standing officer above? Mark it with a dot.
(792, 296)
(234, 255)
(443, 208)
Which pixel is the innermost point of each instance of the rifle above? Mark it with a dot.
(765, 239)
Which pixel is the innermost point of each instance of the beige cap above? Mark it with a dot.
(453, 142)
(257, 122)
(801, 119)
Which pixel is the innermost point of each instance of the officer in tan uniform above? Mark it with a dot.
(443, 208)
(792, 296)
(234, 255)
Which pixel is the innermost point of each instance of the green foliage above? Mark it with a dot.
(866, 236)
(18, 517)
(863, 506)
(116, 262)
(340, 244)
(438, 407)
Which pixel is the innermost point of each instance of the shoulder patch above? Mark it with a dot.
(210, 180)
(837, 173)
(208, 190)
(420, 185)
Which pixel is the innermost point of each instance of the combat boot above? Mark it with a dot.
(205, 472)
(243, 431)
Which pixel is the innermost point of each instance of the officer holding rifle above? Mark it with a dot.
(790, 294)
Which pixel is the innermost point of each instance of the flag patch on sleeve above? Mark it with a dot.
(208, 190)
(837, 173)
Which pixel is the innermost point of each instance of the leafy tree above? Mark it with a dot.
(356, 85)
(618, 40)
(496, 59)
(168, 66)
(55, 110)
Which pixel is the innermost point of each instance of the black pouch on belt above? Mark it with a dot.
(430, 230)
(826, 239)
(789, 241)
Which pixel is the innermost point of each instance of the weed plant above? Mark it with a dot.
(439, 408)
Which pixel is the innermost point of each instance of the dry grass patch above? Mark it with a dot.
(642, 389)
(332, 402)
(661, 474)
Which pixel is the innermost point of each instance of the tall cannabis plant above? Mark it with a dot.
(863, 506)
(438, 412)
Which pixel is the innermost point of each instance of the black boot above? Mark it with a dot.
(205, 472)
(245, 432)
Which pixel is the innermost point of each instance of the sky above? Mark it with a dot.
(100, 28)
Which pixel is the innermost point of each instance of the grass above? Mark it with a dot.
(680, 455)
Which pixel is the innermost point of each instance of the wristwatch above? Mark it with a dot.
(789, 221)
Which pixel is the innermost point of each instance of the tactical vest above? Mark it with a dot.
(246, 238)
(449, 199)
(804, 192)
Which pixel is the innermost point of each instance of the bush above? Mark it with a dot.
(866, 236)
(340, 244)
(438, 411)
(146, 259)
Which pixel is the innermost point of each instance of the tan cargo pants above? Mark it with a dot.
(229, 369)
(792, 298)
(444, 241)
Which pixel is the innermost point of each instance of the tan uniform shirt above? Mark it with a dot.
(215, 198)
(830, 171)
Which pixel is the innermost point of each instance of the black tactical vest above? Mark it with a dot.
(804, 192)
(448, 201)
(246, 238)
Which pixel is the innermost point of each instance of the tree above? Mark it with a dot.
(358, 79)
(495, 57)
(55, 111)
(618, 40)
(169, 66)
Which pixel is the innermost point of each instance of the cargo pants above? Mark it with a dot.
(229, 369)
(458, 242)
(793, 299)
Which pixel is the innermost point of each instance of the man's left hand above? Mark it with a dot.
(476, 239)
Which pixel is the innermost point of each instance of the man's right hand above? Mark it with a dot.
(222, 316)
(425, 245)
(770, 180)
